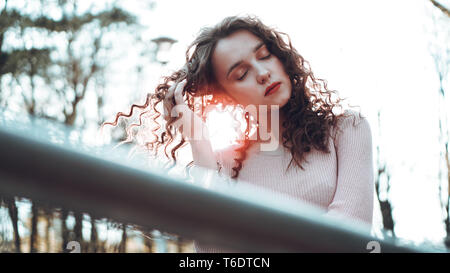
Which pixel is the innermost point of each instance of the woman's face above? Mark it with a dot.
(248, 72)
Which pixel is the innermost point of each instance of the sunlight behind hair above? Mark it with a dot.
(226, 125)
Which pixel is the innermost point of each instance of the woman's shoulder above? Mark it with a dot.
(350, 116)
(351, 122)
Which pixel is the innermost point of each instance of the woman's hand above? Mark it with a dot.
(174, 105)
(190, 125)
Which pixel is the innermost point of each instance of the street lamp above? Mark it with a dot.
(163, 45)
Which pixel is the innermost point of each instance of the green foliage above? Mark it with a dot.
(35, 61)
(14, 18)
(30, 61)
(8, 19)
(74, 23)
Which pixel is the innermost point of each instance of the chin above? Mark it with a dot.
(281, 105)
(284, 99)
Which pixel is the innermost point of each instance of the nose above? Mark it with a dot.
(263, 75)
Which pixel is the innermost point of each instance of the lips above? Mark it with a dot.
(272, 88)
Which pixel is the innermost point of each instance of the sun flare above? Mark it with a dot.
(226, 126)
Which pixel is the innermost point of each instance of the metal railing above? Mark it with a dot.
(40, 160)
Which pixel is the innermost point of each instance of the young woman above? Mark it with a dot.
(313, 152)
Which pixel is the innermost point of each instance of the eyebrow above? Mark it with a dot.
(258, 46)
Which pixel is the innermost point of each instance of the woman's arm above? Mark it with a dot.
(355, 182)
(202, 154)
(174, 106)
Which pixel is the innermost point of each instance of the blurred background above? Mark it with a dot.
(81, 62)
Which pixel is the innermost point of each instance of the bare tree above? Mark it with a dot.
(180, 241)
(48, 223)
(94, 237)
(76, 68)
(34, 221)
(67, 77)
(438, 5)
(77, 230)
(148, 242)
(382, 187)
(13, 214)
(64, 229)
(123, 241)
(440, 52)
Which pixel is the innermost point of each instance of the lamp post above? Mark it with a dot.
(163, 46)
(162, 56)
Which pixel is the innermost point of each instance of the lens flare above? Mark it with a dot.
(227, 126)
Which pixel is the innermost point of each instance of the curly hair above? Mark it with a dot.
(309, 113)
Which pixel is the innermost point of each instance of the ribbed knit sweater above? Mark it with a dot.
(339, 182)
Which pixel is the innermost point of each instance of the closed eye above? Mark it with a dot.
(266, 57)
(243, 76)
(262, 58)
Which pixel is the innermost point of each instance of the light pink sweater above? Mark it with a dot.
(339, 182)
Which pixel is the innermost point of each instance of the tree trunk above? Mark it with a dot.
(94, 238)
(385, 208)
(386, 212)
(64, 230)
(447, 225)
(385, 205)
(180, 242)
(123, 242)
(447, 207)
(48, 223)
(78, 228)
(13, 214)
(34, 220)
(148, 243)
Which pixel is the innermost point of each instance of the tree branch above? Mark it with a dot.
(445, 10)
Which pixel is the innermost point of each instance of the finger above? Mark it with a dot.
(179, 92)
(170, 92)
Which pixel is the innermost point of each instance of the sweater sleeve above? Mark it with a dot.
(355, 182)
(225, 161)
